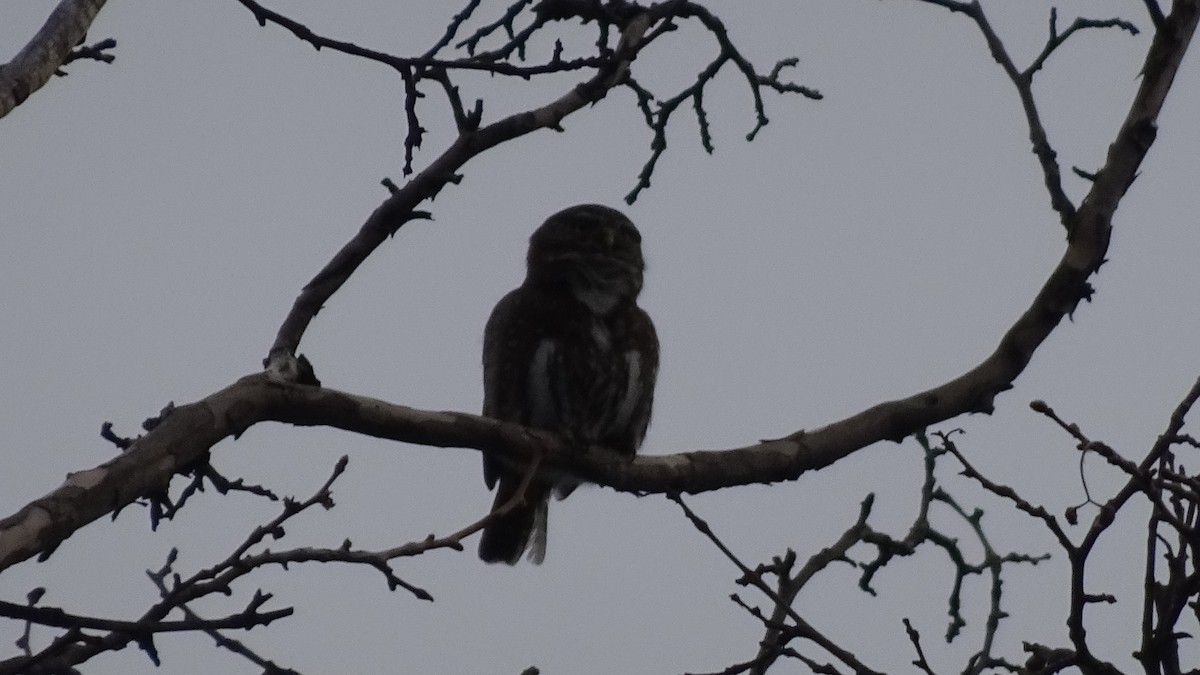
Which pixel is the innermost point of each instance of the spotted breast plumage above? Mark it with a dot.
(568, 351)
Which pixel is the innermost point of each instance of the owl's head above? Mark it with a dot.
(593, 251)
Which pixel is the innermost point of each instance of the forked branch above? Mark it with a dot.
(48, 51)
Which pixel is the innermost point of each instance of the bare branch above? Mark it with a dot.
(658, 120)
(478, 63)
(1167, 595)
(107, 434)
(915, 638)
(230, 644)
(452, 28)
(1056, 39)
(790, 585)
(183, 438)
(1162, 605)
(59, 618)
(506, 21)
(612, 69)
(94, 52)
(1006, 492)
(49, 49)
(799, 627)
(76, 646)
(400, 207)
(783, 624)
(1046, 155)
(1155, 12)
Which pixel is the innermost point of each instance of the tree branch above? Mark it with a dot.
(400, 207)
(49, 49)
(489, 65)
(185, 436)
(1047, 158)
(1057, 39)
(59, 618)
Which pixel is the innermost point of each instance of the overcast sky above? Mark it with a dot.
(161, 213)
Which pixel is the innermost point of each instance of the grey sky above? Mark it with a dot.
(162, 212)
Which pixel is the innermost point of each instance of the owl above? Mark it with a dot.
(568, 351)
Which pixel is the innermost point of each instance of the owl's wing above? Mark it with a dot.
(640, 347)
(509, 347)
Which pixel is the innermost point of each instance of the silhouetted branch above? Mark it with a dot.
(914, 637)
(1085, 443)
(452, 28)
(77, 645)
(107, 434)
(799, 627)
(1056, 39)
(784, 625)
(639, 25)
(1171, 583)
(1005, 492)
(477, 63)
(49, 49)
(184, 437)
(507, 21)
(497, 62)
(241, 563)
(59, 618)
(165, 508)
(223, 641)
(1023, 82)
(1155, 12)
(1174, 502)
(658, 119)
(400, 207)
(94, 52)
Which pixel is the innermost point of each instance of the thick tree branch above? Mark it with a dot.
(34, 65)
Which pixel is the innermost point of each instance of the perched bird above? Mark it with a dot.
(568, 351)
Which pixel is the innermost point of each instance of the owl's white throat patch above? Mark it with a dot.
(599, 301)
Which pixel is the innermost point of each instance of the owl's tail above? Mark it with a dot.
(524, 527)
